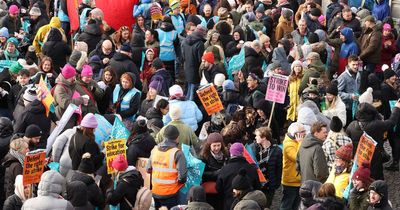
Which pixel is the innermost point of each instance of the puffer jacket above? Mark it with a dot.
(293, 92)
(311, 161)
(43, 32)
(63, 93)
(51, 185)
(371, 45)
(57, 49)
(77, 195)
(290, 177)
(358, 199)
(60, 150)
(13, 203)
(191, 115)
(94, 196)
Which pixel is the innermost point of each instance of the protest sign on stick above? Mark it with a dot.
(33, 166)
(114, 148)
(365, 149)
(210, 99)
(276, 91)
(141, 167)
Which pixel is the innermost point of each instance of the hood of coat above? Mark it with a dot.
(93, 28)
(77, 193)
(55, 22)
(366, 112)
(153, 113)
(51, 183)
(306, 116)
(167, 27)
(36, 107)
(240, 31)
(131, 176)
(310, 141)
(54, 35)
(6, 127)
(318, 65)
(348, 34)
(279, 55)
(194, 38)
(8, 160)
(381, 188)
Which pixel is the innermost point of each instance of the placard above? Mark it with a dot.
(365, 149)
(33, 167)
(114, 148)
(210, 99)
(141, 167)
(276, 90)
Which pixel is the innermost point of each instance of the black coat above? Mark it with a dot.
(140, 146)
(95, 195)
(91, 35)
(369, 121)
(128, 185)
(56, 49)
(13, 25)
(192, 51)
(35, 113)
(388, 93)
(228, 172)
(122, 63)
(13, 203)
(253, 63)
(36, 24)
(154, 118)
(212, 168)
(13, 168)
(81, 144)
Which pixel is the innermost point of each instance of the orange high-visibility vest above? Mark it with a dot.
(164, 177)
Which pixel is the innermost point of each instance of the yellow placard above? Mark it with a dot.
(114, 148)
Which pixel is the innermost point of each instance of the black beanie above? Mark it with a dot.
(388, 73)
(241, 182)
(33, 131)
(197, 194)
(315, 12)
(336, 124)
(313, 38)
(171, 132)
(139, 127)
(157, 64)
(86, 166)
(332, 89)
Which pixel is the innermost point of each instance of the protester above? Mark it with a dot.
(378, 195)
(359, 195)
(21, 194)
(140, 143)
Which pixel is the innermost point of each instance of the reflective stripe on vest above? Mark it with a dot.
(125, 103)
(167, 49)
(164, 172)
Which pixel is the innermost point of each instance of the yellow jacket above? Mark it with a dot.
(293, 90)
(339, 181)
(290, 176)
(44, 30)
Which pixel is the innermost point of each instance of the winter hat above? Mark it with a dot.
(370, 18)
(157, 64)
(126, 48)
(155, 84)
(388, 73)
(197, 194)
(260, 8)
(313, 55)
(380, 187)
(68, 71)
(345, 152)
(287, 13)
(209, 57)
(366, 97)
(81, 46)
(86, 166)
(4, 32)
(95, 59)
(200, 30)
(13, 40)
(240, 181)
(76, 55)
(30, 95)
(87, 71)
(296, 63)
(385, 67)
(33, 131)
(219, 79)
(171, 132)
(363, 173)
(15, 68)
(13, 9)
(332, 89)
(139, 127)
(120, 163)
(315, 12)
(236, 149)
(321, 19)
(176, 90)
(175, 5)
(247, 205)
(362, 14)
(35, 11)
(214, 138)
(89, 121)
(336, 124)
(387, 27)
(175, 112)
(228, 85)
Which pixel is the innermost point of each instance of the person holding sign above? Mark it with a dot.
(13, 162)
(21, 194)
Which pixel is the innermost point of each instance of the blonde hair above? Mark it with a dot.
(19, 144)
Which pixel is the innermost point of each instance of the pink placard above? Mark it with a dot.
(276, 91)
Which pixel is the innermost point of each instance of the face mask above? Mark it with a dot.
(339, 169)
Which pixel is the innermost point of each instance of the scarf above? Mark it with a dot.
(219, 156)
(20, 157)
(11, 56)
(19, 188)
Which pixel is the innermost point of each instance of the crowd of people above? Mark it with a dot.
(342, 64)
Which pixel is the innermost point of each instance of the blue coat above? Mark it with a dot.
(190, 113)
(349, 47)
(381, 10)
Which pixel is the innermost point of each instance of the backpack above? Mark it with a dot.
(143, 199)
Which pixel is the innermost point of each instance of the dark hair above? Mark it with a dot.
(46, 58)
(154, 33)
(24, 72)
(113, 75)
(250, 2)
(88, 132)
(352, 58)
(317, 127)
(206, 150)
(346, 9)
(162, 104)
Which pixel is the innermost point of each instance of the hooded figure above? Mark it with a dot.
(348, 47)
(51, 186)
(15, 201)
(77, 194)
(308, 192)
(43, 32)
(381, 9)
(56, 49)
(91, 35)
(279, 56)
(381, 188)
(231, 48)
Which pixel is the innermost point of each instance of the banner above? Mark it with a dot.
(103, 130)
(248, 156)
(195, 170)
(119, 131)
(276, 90)
(60, 126)
(210, 99)
(236, 63)
(141, 167)
(114, 148)
(33, 166)
(47, 98)
(365, 149)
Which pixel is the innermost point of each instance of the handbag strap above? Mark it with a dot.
(129, 203)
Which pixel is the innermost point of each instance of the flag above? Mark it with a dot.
(103, 129)
(236, 63)
(250, 160)
(119, 131)
(47, 98)
(72, 9)
(195, 170)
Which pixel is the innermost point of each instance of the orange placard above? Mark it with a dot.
(33, 167)
(365, 149)
(210, 99)
(141, 167)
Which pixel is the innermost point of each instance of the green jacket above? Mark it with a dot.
(186, 134)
